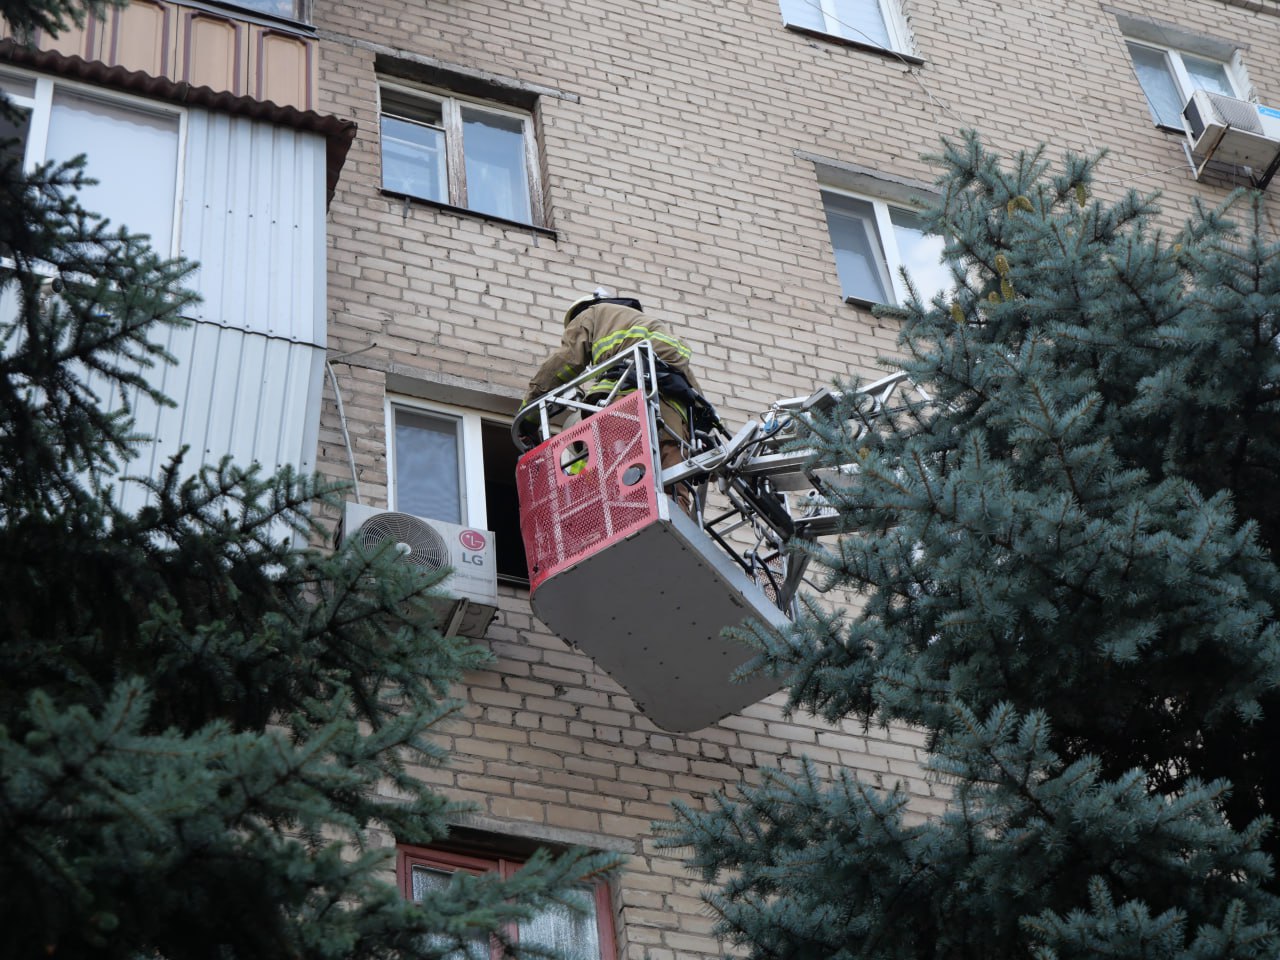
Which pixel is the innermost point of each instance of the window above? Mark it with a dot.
(461, 152)
(872, 240)
(132, 149)
(14, 131)
(575, 936)
(452, 464)
(877, 23)
(284, 9)
(1169, 76)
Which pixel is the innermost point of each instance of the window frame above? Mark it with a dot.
(1181, 78)
(886, 237)
(301, 16)
(40, 103)
(476, 863)
(451, 107)
(474, 509)
(895, 24)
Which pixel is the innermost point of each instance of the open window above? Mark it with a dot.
(873, 240)
(457, 465)
(1169, 77)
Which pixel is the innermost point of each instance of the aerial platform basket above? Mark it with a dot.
(619, 571)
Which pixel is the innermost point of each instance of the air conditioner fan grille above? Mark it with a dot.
(418, 542)
(1239, 114)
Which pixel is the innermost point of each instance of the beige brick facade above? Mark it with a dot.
(677, 147)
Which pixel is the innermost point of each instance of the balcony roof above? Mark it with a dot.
(338, 133)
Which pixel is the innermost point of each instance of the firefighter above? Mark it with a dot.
(598, 327)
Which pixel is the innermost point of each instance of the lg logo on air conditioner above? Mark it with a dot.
(474, 541)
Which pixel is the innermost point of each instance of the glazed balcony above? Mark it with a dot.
(258, 50)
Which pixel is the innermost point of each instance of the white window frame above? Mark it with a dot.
(474, 508)
(451, 105)
(887, 238)
(475, 473)
(894, 21)
(1182, 80)
(40, 103)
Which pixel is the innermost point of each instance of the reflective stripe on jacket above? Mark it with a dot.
(602, 331)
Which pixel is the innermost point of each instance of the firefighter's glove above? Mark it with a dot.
(527, 426)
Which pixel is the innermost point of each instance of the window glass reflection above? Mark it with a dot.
(496, 180)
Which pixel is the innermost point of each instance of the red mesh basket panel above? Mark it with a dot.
(567, 516)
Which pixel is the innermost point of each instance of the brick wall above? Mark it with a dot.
(676, 139)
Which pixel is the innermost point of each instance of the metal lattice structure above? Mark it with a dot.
(771, 493)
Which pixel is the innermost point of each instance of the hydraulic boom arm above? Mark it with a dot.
(771, 492)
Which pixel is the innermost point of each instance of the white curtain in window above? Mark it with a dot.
(860, 20)
(1159, 84)
(860, 261)
(426, 880)
(428, 469)
(572, 935)
(1207, 75)
(804, 13)
(132, 153)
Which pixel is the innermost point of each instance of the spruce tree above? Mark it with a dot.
(200, 725)
(1067, 559)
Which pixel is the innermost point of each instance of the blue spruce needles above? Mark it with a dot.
(1068, 564)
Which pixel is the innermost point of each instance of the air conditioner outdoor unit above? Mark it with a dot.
(1232, 131)
(473, 585)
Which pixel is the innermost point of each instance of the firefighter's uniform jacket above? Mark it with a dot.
(601, 331)
(604, 330)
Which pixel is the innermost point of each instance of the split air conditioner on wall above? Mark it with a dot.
(1232, 131)
(472, 588)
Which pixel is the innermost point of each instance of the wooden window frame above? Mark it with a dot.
(451, 107)
(834, 26)
(452, 861)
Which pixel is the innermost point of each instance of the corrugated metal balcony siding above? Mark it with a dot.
(249, 396)
(253, 218)
(250, 368)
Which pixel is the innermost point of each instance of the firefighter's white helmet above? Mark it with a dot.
(575, 308)
(578, 306)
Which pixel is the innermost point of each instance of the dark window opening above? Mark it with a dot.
(503, 506)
